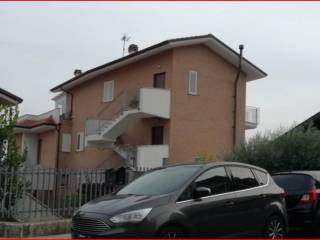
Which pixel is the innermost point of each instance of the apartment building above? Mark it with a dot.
(167, 103)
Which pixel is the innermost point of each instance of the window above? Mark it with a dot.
(262, 176)
(108, 91)
(216, 179)
(243, 178)
(187, 194)
(159, 80)
(66, 142)
(161, 181)
(193, 83)
(293, 182)
(39, 151)
(80, 142)
(157, 135)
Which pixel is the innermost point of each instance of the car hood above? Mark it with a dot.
(111, 205)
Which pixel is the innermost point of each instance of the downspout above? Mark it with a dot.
(58, 146)
(235, 95)
(71, 101)
(57, 167)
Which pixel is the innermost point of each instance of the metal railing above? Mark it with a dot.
(37, 194)
(126, 100)
(252, 115)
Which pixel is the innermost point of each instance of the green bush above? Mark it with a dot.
(298, 149)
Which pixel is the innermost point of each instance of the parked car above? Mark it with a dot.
(220, 199)
(302, 196)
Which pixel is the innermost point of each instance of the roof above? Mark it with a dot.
(8, 97)
(27, 123)
(35, 126)
(216, 45)
(38, 123)
(313, 121)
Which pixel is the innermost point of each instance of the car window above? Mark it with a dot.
(216, 179)
(262, 176)
(187, 194)
(243, 178)
(293, 182)
(160, 181)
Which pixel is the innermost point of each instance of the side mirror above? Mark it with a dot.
(200, 192)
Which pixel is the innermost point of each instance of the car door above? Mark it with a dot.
(247, 210)
(211, 216)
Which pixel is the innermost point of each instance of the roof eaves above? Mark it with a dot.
(11, 95)
(60, 86)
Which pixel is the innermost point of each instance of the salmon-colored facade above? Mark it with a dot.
(197, 122)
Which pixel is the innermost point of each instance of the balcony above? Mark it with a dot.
(252, 117)
(126, 109)
(152, 156)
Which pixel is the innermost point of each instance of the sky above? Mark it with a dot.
(42, 43)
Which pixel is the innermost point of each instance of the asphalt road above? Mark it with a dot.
(292, 234)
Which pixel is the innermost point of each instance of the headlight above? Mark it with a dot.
(132, 216)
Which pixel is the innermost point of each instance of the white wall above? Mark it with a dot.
(151, 156)
(30, 142)
(155, 101)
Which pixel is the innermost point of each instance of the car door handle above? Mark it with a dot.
(229, 204)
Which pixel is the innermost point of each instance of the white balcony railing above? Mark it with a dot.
(252, 117)
(152, 156)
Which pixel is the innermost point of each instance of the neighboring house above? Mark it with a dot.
(9, 98)
(165, 103)
(313, 121)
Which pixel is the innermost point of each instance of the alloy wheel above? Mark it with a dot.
(275, 229)
(172, 235)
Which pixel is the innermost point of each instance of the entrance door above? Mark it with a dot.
(157, 135)
(159, 80)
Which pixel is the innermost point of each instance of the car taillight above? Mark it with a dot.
(310, 197)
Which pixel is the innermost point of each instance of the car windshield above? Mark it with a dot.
(293, 181)
(160, 181)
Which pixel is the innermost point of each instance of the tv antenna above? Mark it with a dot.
(125, 38)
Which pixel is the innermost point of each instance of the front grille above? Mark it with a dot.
(89, 225)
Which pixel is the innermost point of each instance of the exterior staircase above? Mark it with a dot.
(103, 132)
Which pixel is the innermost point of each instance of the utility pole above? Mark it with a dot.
(125, 38)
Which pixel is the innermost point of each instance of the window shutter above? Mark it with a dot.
(108, 91)
(80, 142)
(193, 83)
(66, 142)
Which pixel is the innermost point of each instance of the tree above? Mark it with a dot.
(10, 158)
(9, 154)
(297, 149)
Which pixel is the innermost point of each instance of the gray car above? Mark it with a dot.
(220, 199)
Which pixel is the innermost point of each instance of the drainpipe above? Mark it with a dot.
(58, 146)
(71, 102)
(235, 95)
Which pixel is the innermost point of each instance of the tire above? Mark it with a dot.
(274, 228)
(171, 232)
(316, 228)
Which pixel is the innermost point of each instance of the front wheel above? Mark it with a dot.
(171, 233)
(274, 228)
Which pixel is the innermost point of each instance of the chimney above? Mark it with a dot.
(133, 48)
(77, 72)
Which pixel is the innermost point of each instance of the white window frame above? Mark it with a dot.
(190, 78)
(108, 86)
(80, 142)
(66, 143)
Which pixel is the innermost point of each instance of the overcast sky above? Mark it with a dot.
(42, 43)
